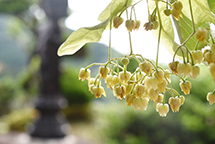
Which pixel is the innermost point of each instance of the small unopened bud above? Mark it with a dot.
(84, 74)
(175, 103)
(148, 26)
(98, 91)
(130, 25)
(185, 87)
(167, 12)
(145, 67)
(155, 25)
(125, 61)
(137, 26)
(162, 109)
(173, 66)
(103, 72)
(178, 5)
(119, 91)
(201, 34)
(117, 21)
(212, 70)
(211, 97)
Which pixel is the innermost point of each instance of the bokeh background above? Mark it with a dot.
(100, 121)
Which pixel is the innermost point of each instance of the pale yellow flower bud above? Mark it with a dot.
(143, 104)
(178, 5)
(109, 81)
(213, 47)
(197, 56)
(175, 103)
(119, 91)
(187, 69)
(91, 83)
(209, 57)
(124, 76)
(139, 103)
(167, 12)
(136, 103)
(162, 109)
(185, 87)
(84, 74)
(116, 80)
(117, 21)
(125, 61)
(148, 26)
(159, 75)
(130, 25)
(195, 71)
(167, 74)
(182, 99)
(129, 99)
(153, 94)
(162, 86)
(137, 25)
(211, 97)
(212, 70)
(173, 66)
(151, 82)
(176, 14)
(145, 67)
(155, 25)
(103, 72)
(140, 90)
(98, 91)
(159, 99)
(128, 88)
(201, 34)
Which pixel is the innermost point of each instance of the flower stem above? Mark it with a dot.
(159, 34)
(109, 57)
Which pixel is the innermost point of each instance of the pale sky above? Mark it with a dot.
(86, 12)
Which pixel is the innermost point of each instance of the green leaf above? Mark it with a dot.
(82, 36)
(185, 29)
(201, 11)
(211, 4)
(114, 8)
(167, 32)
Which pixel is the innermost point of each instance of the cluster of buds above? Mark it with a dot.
(135, 24)
(129, 24)
(146, 83)
(201, 34)
(209, 59)
(152, 24)
(175, 11)
(191, 68)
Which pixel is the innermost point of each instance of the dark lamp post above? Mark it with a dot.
(50, 123)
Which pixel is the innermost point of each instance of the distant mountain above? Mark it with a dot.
(12, 56)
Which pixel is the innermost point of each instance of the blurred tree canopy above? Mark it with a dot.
(15, 6)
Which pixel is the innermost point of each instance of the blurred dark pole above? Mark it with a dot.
(50, 123)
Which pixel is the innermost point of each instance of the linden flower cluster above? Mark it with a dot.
(191, 68)
(146, 83)
(150, 82)
(209, 59)
(175, 11)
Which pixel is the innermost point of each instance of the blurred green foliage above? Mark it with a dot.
(18, 119)
(7, 94)
(15, 6)
(77, 94)
(72, 88)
